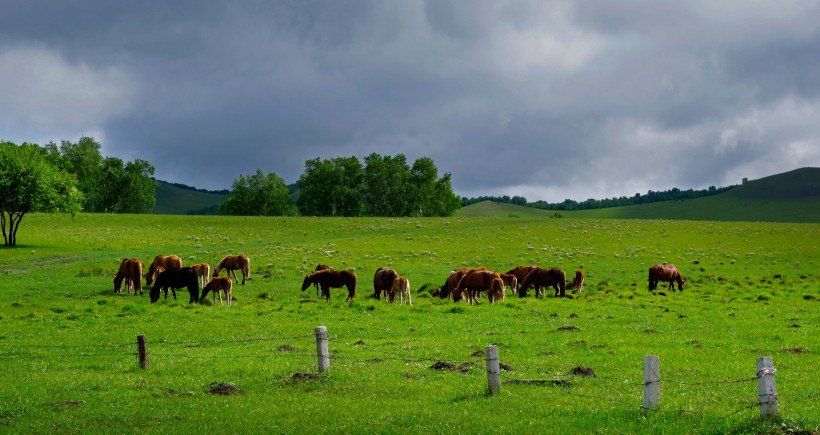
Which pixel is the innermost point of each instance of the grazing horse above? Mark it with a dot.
(578, 282)
(510, 280)
(520, 273)
(383, 280)
(401, 285)
(450, 284)
(497, 291)
(318, 268)
(232, 263)
(175, 278)
(667, 273)
(554, 277)
(203, 270)
(131, 272)
(328, 279)
(222, 283)
(165, 261)
(477, 280)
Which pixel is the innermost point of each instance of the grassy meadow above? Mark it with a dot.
(68, 351)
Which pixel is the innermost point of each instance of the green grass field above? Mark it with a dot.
(68, 350)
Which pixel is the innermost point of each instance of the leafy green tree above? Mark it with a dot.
(385, 185)
(258, 195)
(84, 160)
(126, 188)
(30, 183)
(331, 187)
(422, 187)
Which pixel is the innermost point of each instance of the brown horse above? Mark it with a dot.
(165, 261)
(497, 291)
(328, 279)
(578, 282)
(667, 273)
(383, 280)
(318, 268)
(232, 263)
(401, 286)
(203, 270)
(539, 277)
(219, 283)
(520, 273)
(476, 281)
(510, 280)
(131, 272)
(450, 284)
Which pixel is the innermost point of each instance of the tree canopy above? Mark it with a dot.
(258, 195)
(30, 182)
(109, 184)
(383, 186)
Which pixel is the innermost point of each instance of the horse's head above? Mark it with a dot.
(305, 283)
(154, 293)
(681, 283)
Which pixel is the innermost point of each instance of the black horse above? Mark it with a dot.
(176, 278)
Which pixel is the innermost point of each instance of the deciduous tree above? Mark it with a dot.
(30, 183)
(258, 195)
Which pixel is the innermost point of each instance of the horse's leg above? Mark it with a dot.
(174, 291)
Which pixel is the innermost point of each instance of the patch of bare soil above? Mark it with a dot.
(796, 350)
(582, 371)
(303, 376)
(285, 348)
(568, 328)
(223, 389)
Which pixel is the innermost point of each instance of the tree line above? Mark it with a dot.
(68, 178)
(344, 186)
(673, 194)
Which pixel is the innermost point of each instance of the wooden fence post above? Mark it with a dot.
(142, 352)
(493, 370)
(322, 353)
(652, 385)
(766, 388)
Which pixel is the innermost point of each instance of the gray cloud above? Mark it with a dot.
(547, 100)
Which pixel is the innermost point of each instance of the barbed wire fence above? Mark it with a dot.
(651, 384)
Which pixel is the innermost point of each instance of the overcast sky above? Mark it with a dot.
(543, 99)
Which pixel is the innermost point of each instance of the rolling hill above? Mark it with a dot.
(792, 196)
(173, 199)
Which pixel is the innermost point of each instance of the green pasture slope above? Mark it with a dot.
(789, 197)
(69, 364)
(176, 200)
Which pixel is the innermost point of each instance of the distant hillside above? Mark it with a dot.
(789, 197)
(173, 199)
(498, 209)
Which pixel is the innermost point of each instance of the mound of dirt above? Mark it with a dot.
(223, 389)
(569, 328)
(582, 371)
(303, 376)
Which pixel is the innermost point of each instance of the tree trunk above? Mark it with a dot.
(3, 225)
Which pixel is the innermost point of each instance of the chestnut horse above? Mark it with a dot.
(476, 281)
(175, 278)
(165, 261)
(401, 285)
(667, 273)
(204, 272)
(222, 283)
(510, 280)
(232, 263)
(450, 284)
(131, 272)
(383, 280)
(520, 273)
(578, 282)
(328, 279)
(318, 268)
(539, 277)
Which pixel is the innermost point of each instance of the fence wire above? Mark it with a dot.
(383, 355)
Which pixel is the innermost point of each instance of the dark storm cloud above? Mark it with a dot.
(549, 100)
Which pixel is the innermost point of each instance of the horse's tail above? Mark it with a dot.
(246, 266)
(563, 282)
